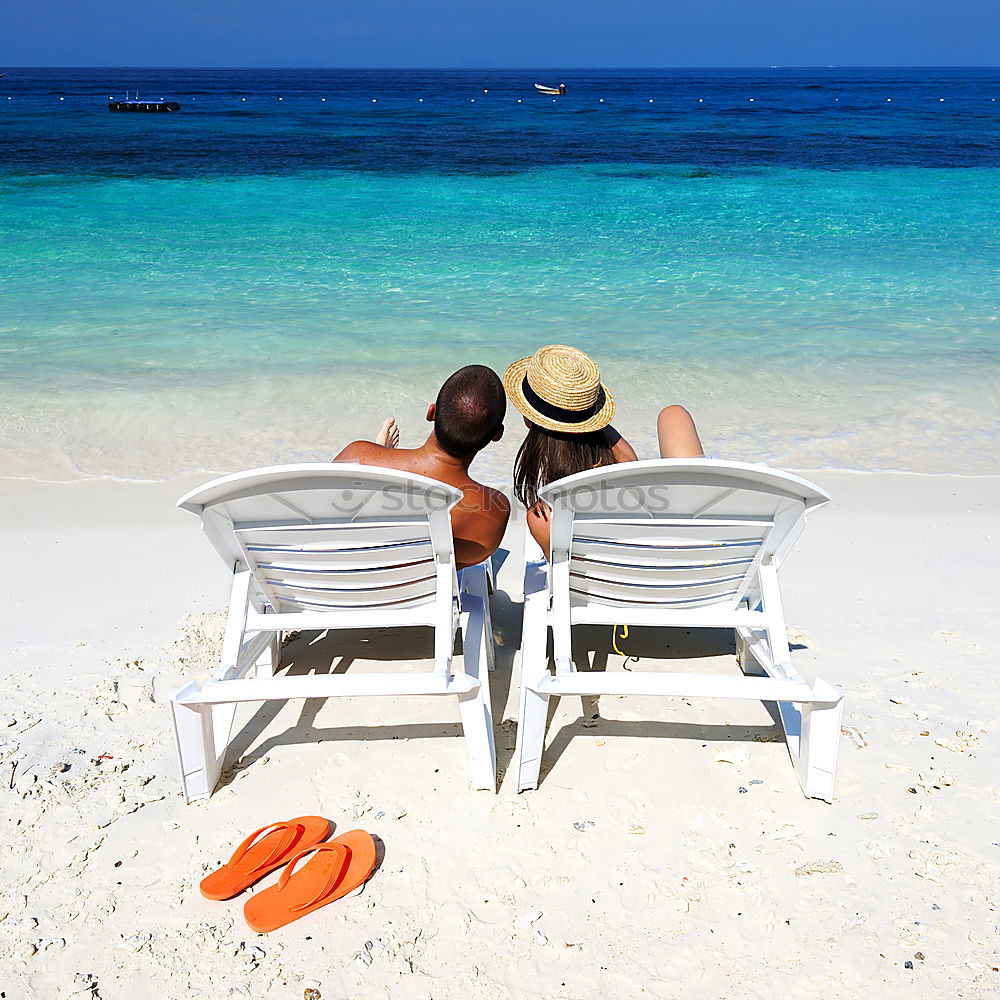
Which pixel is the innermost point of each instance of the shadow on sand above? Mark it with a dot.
(336, 652)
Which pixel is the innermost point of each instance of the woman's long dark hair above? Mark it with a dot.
(545, 456)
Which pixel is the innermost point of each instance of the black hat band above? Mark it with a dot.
(553, 412)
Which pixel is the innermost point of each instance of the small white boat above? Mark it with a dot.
(561, 89)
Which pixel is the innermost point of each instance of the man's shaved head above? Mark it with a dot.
(469, 411)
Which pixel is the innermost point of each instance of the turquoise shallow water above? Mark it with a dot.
(153, 325)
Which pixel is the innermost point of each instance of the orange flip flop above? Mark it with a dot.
(335, 869)
(262, 852)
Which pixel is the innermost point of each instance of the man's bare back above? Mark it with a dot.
(478, 520)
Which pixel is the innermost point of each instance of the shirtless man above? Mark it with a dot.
(467, 415)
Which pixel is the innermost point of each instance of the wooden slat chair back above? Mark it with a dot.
(675, 543)
(333, 546)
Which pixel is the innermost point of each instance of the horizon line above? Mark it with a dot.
(502, 69)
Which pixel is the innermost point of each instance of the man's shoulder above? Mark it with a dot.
(479, 521)
(370, 453)
(477, 498)
(483, 499)
(357, 451)
(497, 499)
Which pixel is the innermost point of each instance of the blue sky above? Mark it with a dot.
(501, 33)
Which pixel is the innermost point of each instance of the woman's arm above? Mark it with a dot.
(620, 448)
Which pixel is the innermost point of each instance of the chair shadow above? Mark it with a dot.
(506, 615)
(705, 733)
(334, 652)
(499, 558)
(593, 646)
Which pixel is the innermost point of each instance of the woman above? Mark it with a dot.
(568, 412)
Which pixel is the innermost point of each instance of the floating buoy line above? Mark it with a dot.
(600, 100)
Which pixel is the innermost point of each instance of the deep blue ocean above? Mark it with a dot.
(808, 258)
(468, 122)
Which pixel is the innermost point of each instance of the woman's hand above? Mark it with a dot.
(540, 510)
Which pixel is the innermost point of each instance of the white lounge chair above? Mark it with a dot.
(334, 546)
(683, 543)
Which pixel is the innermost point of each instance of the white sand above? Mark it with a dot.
(664, 855)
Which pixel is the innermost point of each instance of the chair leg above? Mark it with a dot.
(491, 655)
(748, 663)
(476, 581)
(819, 742)
(268, 662)
(475, 707)
(195, 736)
(530, 737)
(477, 725)
(534, 707)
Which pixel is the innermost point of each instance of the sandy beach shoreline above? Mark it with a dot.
(831, 420)
(663, 855)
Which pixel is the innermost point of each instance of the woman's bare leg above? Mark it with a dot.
(677, 434)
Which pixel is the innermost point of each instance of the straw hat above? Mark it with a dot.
(559, 388)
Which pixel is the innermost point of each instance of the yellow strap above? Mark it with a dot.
(614, 638)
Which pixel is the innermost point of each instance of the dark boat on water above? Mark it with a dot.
(134, 104)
